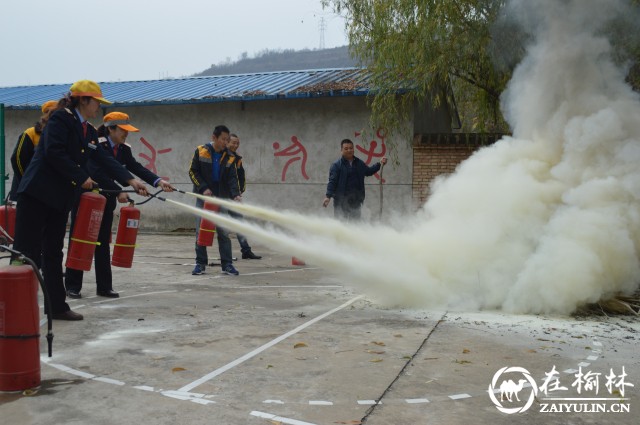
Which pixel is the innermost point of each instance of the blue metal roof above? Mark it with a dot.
(219, 88)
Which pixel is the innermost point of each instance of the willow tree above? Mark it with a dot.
(434, 49)
(446, 50)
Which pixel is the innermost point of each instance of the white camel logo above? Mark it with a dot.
(510, 388)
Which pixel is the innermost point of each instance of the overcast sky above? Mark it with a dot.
(50, 42)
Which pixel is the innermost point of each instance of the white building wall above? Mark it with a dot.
(267, 131)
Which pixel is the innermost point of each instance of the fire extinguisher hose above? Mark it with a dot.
(151, 195)
(19, 256)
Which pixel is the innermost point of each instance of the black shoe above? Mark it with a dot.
(72, 293)
(250, 256)
(109, 294)
(67, 315)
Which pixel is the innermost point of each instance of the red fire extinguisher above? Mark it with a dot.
(19, 328)
(207, 228)
(126, 237)
(8, 219)
(86, 227)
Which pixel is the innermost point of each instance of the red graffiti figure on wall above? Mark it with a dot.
(151, 165)
(371, 152)
(295, 150)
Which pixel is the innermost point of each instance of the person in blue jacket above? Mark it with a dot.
(51, 182)
(346, 182)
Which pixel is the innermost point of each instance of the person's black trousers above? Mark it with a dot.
(40, 230)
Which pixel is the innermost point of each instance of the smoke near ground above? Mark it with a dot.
(540, 222)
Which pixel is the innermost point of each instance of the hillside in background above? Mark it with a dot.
(284, 60)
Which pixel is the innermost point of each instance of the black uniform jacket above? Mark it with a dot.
(21, 157)
(59, 165)
(124, 157)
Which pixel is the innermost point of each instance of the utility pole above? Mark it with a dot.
(322, 27)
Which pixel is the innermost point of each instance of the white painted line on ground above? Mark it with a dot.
(68, 369)
(90, 297)
(320, 403)
(220, 275)
(279, 271)
(108, 380)
(584, 364)
(273, 402)
(202, 401)
(144, 388)
(183, 394)
(459, 396)
(166, 264)
(174, 394)
(269, 344)
(368, 402)
(592, 358)
(284, 286)
(110, 300)
(279, 418)
(199, 279)
(416, 400)
(197, 398)
(597, 343)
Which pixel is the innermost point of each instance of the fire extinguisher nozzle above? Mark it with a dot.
(50, 342)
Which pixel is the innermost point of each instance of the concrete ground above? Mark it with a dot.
(285, 344)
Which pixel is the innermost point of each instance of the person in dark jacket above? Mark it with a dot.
(245, 248)
(26, 146)
(346, 182)
(112, 135)
(56, 173)
(213, 173)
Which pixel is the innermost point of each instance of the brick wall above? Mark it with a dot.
(438, 154)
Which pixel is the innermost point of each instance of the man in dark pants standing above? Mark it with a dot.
(213, 173)
(245, 248)
(51, 181)
(112, 135)
(346, 182)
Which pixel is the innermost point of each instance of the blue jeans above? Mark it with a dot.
(224, 243)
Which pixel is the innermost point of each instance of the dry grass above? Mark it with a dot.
(628, 305)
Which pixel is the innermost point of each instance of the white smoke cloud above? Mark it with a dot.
(543, 221)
